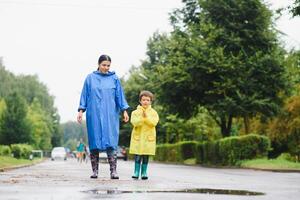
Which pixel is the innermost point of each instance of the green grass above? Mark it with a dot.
(272, 164)
(191, 161)
(6, 162)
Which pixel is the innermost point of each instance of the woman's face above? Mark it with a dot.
(145, 101)
(104, 66)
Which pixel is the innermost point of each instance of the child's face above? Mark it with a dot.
(145, 101)
(104, 66)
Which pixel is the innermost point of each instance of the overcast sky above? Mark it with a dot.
(61, 40)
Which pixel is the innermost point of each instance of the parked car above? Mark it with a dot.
(58, 153)
(122, 153)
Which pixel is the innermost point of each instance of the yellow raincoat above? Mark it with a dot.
(143, 135)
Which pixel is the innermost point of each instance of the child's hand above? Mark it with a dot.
(144, 114)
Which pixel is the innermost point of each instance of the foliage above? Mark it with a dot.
(223, 55)
(38, 102)
(41, 130)
(229, 151)
(14, 127)
(295, 8)
(21, 150)
(5, 150)
(201, 127)
(72, 133)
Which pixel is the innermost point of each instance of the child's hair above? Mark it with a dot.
(147, 94)
(103, 58)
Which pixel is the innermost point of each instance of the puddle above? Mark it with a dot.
(196, 190)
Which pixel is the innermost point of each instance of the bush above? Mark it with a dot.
(21, 150)
(5, 150)
(229, 151)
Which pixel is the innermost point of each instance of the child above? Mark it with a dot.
(143, 136)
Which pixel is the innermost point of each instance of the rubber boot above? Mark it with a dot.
(144, 168)
(113, 167)
(95, 163)
(137, 167)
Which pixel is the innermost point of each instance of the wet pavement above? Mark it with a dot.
(70, 180)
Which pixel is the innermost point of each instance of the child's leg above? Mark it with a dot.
(95, 162)
(145, 161)
(137, 166)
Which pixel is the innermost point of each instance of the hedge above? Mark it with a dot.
(21, 150)
(176, 152)
(5, 150)
(226, 151)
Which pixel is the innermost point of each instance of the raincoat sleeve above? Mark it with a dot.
(152, 119)
(120, 96)
(84, 96)
(136, 119)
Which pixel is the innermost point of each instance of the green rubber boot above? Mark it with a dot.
(144, 171)
(137, 168)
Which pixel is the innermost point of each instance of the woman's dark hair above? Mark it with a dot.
(103, 58)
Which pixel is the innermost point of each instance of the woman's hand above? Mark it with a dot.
(79, 117)
(125, 116)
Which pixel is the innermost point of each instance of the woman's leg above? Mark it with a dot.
(95, 162)
(112, 159)
(145, 160)
(137, 166)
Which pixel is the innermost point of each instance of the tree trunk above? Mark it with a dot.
(226, 125)
(247, 124)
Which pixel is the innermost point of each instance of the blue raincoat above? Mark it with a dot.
(102, 98)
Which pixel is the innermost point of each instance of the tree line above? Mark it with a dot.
(27, 112)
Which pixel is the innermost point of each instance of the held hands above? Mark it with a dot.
(144, 114)
(125, 116)
(79, 117)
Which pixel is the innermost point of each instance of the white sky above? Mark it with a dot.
(61, 40)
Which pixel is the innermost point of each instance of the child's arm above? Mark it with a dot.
(136, 118)
(152, 119)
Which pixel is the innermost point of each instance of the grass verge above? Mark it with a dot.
(270, 164)
(8, 162)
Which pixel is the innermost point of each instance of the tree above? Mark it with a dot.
(41, 129)
(295, 9)
(15, 127)
(223, 55)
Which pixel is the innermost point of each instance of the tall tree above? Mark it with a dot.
(15, 127)
(224, 55)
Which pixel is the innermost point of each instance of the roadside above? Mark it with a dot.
(274, 165)
(7, 163)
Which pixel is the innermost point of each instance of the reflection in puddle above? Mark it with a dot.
(196, 190)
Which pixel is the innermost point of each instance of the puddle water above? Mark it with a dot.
(197, 190)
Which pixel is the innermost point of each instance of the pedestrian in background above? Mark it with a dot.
(80, 150)
(103, 98)
(143, 136)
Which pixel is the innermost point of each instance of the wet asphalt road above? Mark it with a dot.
(70, 180)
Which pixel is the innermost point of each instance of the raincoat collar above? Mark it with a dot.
(109, 73)
(139, 107)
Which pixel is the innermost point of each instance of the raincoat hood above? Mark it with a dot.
(109, 73)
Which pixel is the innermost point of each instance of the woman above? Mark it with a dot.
(103, 98)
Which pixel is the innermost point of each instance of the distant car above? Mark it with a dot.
(122, 153)
(103, 156)
(58, 153)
